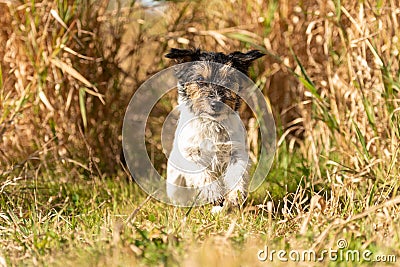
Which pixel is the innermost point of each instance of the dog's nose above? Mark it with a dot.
(216, 105)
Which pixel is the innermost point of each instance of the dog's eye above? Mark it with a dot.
(200, 79)
(210, 96)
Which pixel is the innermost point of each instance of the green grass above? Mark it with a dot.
(98, 222)
(69, 68)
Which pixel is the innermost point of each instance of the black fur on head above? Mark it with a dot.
(238, 60)
(207, 87)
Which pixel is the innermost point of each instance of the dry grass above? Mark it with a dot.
(68, 69)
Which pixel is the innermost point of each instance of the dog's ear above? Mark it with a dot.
(184, 55)
(242, 61)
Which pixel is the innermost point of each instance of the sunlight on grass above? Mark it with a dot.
(69, 68)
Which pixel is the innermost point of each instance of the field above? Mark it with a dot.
(331, 73)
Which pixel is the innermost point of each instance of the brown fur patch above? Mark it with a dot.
(208, 84)
(231, 103)
(193, 91)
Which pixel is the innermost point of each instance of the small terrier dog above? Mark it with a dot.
(209, 153)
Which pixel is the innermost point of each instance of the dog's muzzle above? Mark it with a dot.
(216, 106)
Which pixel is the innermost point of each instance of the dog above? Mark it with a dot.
(208, 162)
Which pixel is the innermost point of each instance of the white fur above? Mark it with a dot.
(202, 148)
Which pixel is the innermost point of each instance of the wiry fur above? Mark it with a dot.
(209, 134)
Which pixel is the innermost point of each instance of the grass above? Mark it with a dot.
(69, 68)
(111, 222)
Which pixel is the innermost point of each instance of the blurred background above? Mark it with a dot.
(331, 72)
(69, 67)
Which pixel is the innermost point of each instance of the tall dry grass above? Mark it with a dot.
(61, 98)
(331, 73)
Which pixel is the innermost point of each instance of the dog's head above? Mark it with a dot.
(209, 85)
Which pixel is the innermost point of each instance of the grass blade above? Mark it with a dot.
(82, 105)
(361, 138)
(74, 73)
(305, 80)
(1, 80)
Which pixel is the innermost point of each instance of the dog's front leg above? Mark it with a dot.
(236, 178)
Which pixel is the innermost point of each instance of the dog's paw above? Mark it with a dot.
(235, 198)
(216, 209)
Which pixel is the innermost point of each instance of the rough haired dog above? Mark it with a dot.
(209, 152)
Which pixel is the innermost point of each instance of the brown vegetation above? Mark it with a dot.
(331, 73)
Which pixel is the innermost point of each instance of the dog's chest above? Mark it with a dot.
(201, 132)
(207, 142)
